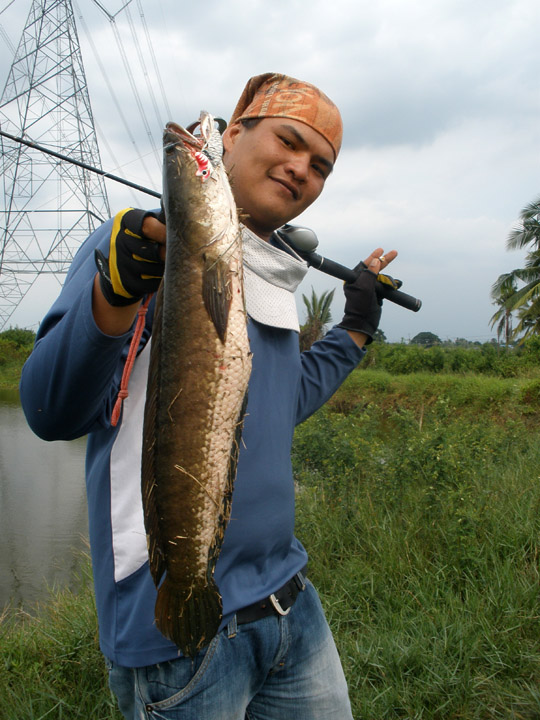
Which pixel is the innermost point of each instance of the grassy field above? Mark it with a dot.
(419, 504)
(50, 664)
(420, 507)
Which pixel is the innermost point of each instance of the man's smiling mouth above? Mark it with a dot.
(289, 186)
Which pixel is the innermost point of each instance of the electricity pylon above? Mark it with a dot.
(50, 206)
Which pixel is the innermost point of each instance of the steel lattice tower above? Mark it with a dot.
(50, 206)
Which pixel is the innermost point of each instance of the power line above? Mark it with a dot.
(131, 79)
(126, 125)
(100, 6)
(7, 6)
(8, 42)
(154, 61)
(143, 66)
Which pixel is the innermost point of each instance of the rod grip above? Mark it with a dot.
(344, 273)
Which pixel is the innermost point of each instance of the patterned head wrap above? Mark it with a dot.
(274, 95)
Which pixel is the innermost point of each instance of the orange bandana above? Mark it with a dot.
(275, 95)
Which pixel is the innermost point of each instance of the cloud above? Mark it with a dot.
(440, 104)
(428, 66)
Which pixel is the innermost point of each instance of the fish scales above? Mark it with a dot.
(199, 370)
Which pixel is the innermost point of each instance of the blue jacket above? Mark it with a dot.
(68, 388)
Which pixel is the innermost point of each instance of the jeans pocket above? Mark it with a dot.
(166, 685)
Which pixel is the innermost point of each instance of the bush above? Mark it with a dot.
(487, 359)
(14, 349)
(462, 360)
(21, 337)
(10, 352)
(530, 394)
(529, 350)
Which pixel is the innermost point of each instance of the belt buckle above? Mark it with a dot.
(277, 606)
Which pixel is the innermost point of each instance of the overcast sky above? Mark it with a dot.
(441, 109)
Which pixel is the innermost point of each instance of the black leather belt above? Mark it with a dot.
(278, 603)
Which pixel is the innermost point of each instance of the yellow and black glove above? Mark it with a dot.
(134, 267)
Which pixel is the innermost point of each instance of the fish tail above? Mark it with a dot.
(189, 617)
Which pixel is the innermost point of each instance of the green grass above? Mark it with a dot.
(433, 618)
(419, 504)
(421, 517)
(12, 358)
(50, 665)
(10, 373)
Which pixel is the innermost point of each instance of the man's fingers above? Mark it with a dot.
(154, 230)
(378, 259)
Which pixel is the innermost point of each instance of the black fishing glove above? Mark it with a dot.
(134, 267)
(363, 307)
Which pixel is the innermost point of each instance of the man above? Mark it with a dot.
(274, 656)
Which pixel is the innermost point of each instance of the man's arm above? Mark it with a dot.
(68, 382)
(71, 379)
(330, 360)
(325, 366)
(359, 339)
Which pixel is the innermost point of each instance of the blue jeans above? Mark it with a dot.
(277, 668)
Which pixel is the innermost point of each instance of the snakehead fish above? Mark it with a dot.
(197, 383)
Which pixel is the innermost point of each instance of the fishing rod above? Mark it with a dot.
(302, 240)
(73, 161)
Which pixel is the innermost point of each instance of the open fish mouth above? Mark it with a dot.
(176, 134)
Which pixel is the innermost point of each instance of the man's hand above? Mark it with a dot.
(118, 319)
(135, 264)
(362, 306)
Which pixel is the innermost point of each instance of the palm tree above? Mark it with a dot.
(318, 316)
(519, 290)
(506, 289)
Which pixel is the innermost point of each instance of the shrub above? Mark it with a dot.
(21, 337)
(10, 352)
(487, 359)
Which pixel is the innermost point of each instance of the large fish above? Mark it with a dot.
(197, 384)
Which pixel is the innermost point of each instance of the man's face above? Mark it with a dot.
(277, 169)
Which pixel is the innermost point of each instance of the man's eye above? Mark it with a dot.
(286, 141)
(319, 170)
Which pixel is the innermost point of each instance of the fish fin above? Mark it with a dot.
(217, 294)
(188, 617)
(156, 553)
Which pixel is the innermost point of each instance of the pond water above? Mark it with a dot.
(43, 516)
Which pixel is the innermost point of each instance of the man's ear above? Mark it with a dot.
(231, 135)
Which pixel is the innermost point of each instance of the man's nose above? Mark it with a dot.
(298, 166)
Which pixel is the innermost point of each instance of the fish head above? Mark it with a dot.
(205, 148)
(194, 176)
